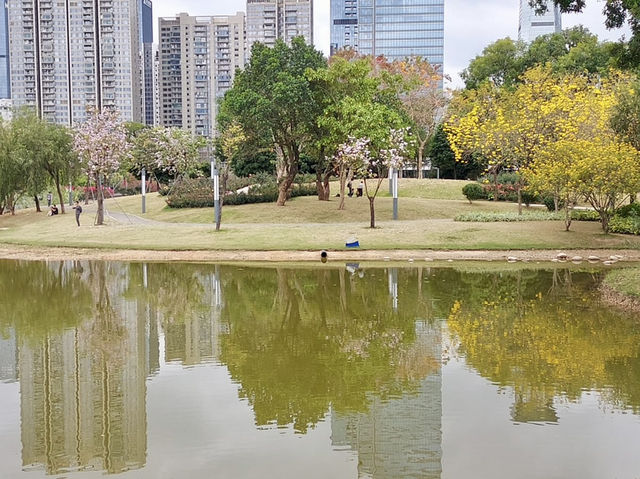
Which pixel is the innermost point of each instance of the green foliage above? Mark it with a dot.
(573, 50)
(585, 215)
(550, 203)
(474, 191)
(272, 98)
(629, 211)
(507, 217)
(198, 193)
(629, 225)
(251, 163)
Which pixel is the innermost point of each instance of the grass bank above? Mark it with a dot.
(426, 223)
(621, 288)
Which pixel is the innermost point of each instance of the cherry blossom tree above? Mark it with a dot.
(101, 143)
(391, 157)
(350, 157)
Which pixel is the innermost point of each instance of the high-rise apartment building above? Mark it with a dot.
(5, 77)
(69, 55)
(533, 25)
(146, 38)
(197, 59)
(269, 20)
(394, 29)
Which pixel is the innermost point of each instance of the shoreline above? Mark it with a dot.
(18, 252)
(619, 300)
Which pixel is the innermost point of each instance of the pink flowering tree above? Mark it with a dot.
(178, 151)
(101, 143)
(393, 156)
(351, 156)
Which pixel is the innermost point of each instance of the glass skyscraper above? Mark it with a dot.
(146, 41)
(5, 78)
(532, 25)
(396, 29)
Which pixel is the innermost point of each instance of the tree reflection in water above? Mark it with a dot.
(547, 343)
(300, 341)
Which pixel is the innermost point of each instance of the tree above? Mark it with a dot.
(442, 157)
(48, 153)
(509, 127)
(272, 96)
(390, 157)
(351, 156)
(625, 118)
(13, 175)
(101, 143)
(605, 173)
(423, 100)
(574, 50)
(500, 63)
(348, 79)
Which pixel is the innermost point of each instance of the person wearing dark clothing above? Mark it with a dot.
(54, 210)
(78, 209)
(360, 189)
(350, 187)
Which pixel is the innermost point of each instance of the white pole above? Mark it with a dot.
(144, 190)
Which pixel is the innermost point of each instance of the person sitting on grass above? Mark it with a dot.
(53, 210)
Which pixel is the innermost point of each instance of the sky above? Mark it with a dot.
(470, 25)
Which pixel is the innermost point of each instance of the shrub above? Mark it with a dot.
(528, 198)
(629, 225)
(585, 215)
(473, 191)
(191, 193)
(507, 217)
(629, 211)
(549, 202)
(198, 193)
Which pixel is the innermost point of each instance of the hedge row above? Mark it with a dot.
(198, 193)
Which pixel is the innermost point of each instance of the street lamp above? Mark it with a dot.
(394, 192)
(144, 190)
(215, 176)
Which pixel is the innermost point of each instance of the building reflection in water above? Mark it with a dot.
(399, 436)
(83, 389)
(83, 384)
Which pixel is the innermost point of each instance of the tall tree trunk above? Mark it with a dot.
(283, 188)
(322, 185)
(319, 186)
(326, 186)
(37, 200)
(372, 210)
(59, 190)
(100, 219)
(567, 216)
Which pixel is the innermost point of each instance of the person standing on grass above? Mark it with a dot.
(78, 209)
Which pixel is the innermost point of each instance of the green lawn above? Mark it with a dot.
(625, 281)
(308, 210)
(309, 224)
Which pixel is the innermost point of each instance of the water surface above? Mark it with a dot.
(176, 370)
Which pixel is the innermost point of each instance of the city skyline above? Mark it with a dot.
(469, 26)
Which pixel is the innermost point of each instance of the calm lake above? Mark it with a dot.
(328, 371)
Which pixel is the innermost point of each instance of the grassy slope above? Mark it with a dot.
(625, 281)
(306, 223)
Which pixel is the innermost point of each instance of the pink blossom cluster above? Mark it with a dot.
(394, 156)
(354, 153)
(101, 143)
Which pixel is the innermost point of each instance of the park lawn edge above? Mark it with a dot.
(415, 256)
